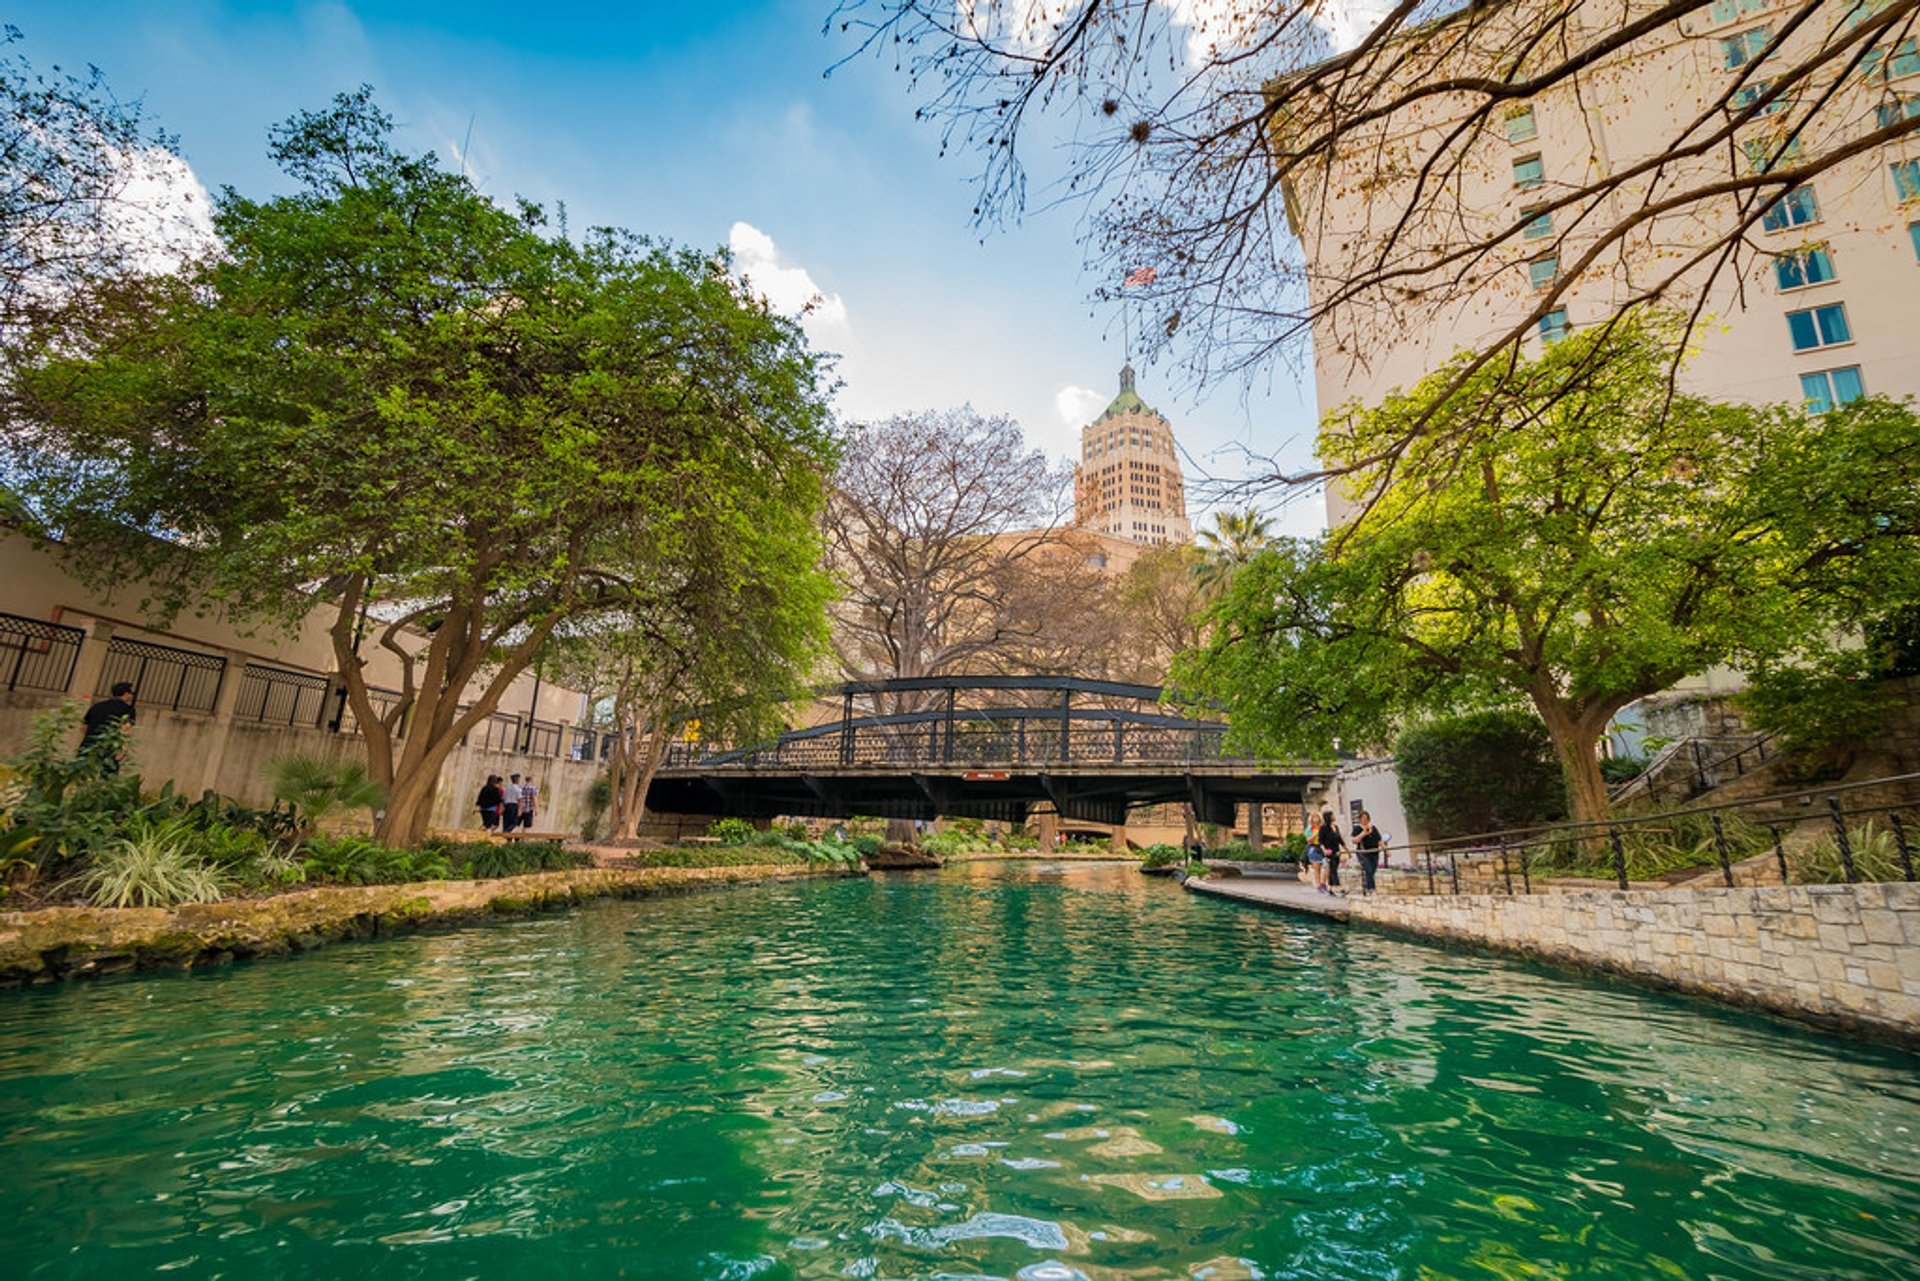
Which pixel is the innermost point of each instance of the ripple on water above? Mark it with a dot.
(979, 1074)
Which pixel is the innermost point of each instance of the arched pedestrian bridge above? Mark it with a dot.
(985, 747)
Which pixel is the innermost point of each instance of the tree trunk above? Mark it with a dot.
(900, 831)
(1575, 736)
(640, 778)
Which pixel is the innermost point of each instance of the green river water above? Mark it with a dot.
(991, 1071)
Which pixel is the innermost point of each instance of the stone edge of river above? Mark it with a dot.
(53, 943)
(1844, 958)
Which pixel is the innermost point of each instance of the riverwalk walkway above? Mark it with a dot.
(1275, 893)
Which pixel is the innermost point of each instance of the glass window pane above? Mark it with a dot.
(1527, 172)
(1520, 126)
(1554, 326)
(1788, 272)
(1913, 234)
(1724, 11)
(1539, 225)
(1818, 265)
(1847, 386)
(1833, 324)
(1906, 179)
(1800, 327)
(1541, 271)
(1906, 57)
(1814, 389)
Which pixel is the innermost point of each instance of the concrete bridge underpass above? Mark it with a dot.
(988, 747)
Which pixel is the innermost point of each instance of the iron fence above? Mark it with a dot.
(276, 696)
(499, 732)
(38, 655)
(345, 722)
(542, 738)
(1848, 833)
(182, 680)
(1002, 739)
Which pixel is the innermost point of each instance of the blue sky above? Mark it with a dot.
(682, 121)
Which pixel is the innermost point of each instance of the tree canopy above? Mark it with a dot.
(1576, 536)
(389, 393)
(1465, 775)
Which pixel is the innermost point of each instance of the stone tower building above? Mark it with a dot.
(1128, 484)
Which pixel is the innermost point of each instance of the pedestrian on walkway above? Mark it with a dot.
(529, 794)
(1316, 861)
(489, 802)
(510, 804)
(1331, 843)
(1369, 846)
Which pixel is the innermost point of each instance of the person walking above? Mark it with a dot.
(510, 805)
(489, 802)
(1316, 861)
(1331, 843)
(106, 713)
(529, 794)
(1369, 846)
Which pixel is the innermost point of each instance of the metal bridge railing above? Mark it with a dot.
(1001, 742)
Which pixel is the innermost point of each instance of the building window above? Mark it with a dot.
(1539, 224)
(1520, 125)
(1734, 10)
(1748, 94)
(1831, 388)
(1913, 234)
(1795, 208)
(1876, 65)
(1807, 267)
(1906, 179)
(1554, 326)
(1768, 153)
(1888, 114)
(1542, 270)
(1528, 173)
(1818, 327)
(1742, 47)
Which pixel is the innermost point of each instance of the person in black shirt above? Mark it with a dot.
(489, 802)
(1368, 845)
(108, 711)
(1331, 842)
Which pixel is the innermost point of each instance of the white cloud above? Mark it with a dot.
(1078, 405)
(1348, 22)
(162, 215)
(790, 289)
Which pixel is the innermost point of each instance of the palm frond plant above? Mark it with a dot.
(317, 787)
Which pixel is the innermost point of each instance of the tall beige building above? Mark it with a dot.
(1820, 305)
(1128, 484)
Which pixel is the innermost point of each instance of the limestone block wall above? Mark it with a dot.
(1847, 955)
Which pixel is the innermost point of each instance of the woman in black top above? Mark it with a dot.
(1367, 844)
(489, 802)
(1331, 842)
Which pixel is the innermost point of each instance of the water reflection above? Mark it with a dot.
(999, 1071)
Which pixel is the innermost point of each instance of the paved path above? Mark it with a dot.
(1285, 896)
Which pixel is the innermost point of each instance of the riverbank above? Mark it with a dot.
(54, 943)
(1845, 957)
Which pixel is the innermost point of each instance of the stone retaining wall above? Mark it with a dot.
(1843, 955)
(72, 942)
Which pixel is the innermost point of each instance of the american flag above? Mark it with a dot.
(1140, 276)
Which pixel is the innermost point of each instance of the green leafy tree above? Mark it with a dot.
(1576, 534)
(1463, 775)
(392, 395)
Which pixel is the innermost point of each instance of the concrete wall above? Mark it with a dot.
(1846, 955)
(232, 757)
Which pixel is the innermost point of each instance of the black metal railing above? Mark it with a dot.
(38, 655)
(345, 722)
(1693, 766)
(1848, 833)
(182, 680)
(499, 732)
(276, 696)
(541, 738)
(1002, 738)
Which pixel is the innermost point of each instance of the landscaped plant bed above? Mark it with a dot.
(72, 942)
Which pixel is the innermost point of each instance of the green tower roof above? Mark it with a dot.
(1128, 401)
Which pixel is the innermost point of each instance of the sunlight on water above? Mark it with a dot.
(988, 1072)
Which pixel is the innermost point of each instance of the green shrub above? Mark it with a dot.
(1163, 856)
(731, 831)
(1822, 718)
(947, 843)
(72, 804)
(866, 845)
(153, 865)
(361, 860)
(599, 800)
(1622, 769)
(1876, 857)
(713, 856)
(485, 860)
(1477, 773)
